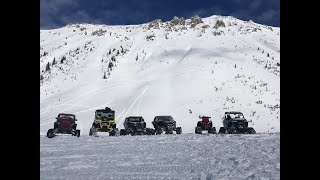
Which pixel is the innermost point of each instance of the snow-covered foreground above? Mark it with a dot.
(185, 156)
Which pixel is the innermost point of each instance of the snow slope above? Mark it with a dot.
(183, 68)
(185, 156)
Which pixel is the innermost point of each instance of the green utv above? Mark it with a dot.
(104, 121)
(235, 123)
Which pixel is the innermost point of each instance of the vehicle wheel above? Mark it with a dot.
(222, 130)
(50, 133)
(77, 133)
(212, 130)
(149, 131)
(252, 131)
(198, 130)
(158, 132)
(122, 132)
(112, 133)
(231, 131)
(152, 132)
(178, 130)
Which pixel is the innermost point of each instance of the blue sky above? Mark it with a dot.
(57, 13)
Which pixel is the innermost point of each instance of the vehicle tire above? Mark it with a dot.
(112, 133)
(158, 132)
(77, 133)
(222, 130)
(122, 132)
(50, 133)
(149, 131)
(152, 132)
(251, 131)
(178, 130)
(212, 130)
(231, 131)
(198, 130)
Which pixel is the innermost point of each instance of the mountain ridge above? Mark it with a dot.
(205, 65)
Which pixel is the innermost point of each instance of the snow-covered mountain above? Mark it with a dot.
(183, 67)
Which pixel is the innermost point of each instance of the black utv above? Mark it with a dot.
(135, 125)
(165, 123)
(235, 123)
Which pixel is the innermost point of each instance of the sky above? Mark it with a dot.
(58, 13)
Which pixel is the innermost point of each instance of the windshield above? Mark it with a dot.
(65, 116)
(238, 115)
(165, 118)
(135, 119)
(105, 115)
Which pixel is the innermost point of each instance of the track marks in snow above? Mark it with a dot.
(132, 104)
(73, 105)
(138, 108)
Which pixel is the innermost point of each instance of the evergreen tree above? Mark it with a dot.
(62, 59)
(54, 61)
(104, 76)
(48, 67)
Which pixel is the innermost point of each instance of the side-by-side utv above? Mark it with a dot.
(205, 125)
(135, 125)
(104, 121)
(165, 123)
(65, 124)
(235, 123)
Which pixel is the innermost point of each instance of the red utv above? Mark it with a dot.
(65, 124)
(205, 125)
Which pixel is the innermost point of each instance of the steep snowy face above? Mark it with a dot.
(183, 68)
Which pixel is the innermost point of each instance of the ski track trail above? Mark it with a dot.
(86, 99)
(98, 91)
(132, 104)
(138, 108)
